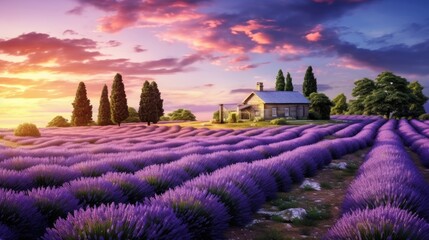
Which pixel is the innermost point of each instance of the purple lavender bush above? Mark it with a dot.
(132, 187)
(380, 223)
(237, 203)
(53, 203)
(203, 213)
(119, 222)
(51, 175)
(19, 214)
(95, 191)
(6, 233)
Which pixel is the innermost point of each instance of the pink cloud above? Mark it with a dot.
(250, 29)
(313, 37)
(315, 34)
(139, 49)
(113, 43)
(76, 56)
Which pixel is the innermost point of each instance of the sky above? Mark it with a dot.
(201, 53)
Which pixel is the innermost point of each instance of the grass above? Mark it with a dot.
(271, 234)
(326, 185)
(245, 124)
(283, 203)
(277, 218)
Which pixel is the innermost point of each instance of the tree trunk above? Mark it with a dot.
(119, 124)
(148, 123)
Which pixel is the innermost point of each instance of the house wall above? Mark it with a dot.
(298, 111)
(256, 108)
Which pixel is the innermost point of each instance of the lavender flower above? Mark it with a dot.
(119, 222)
(95, 191)
(380, 223)
(205, 216)
(133, 188)
(51, 175)
(18, 213)
(53, 203)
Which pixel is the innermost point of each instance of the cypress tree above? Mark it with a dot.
(147, 107)
(158, 101)
(289, 85)
(104, 108)
(82, 109)
(118, 101)
(310, 83)
(280, 81)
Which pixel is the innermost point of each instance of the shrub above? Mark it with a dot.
(278, 121)
(44, 175)
(424, 116)
(313, 115)
(379, 223)
(27, 129)
(17, 211)
(119, 222)
(53, 203)
(232, 118)
(204, 215)
(95, 191)
(164, 118)
(59, 121)
(132, 187)
(258, 119)
(231, 196)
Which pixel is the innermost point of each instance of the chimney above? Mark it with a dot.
(260, 86)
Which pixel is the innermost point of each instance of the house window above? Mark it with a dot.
(274, 112)
(257, 113)
(287, 113)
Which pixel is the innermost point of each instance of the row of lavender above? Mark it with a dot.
(417, 140)
(389, 198)
(49, 204)
(45, 175)
(72, 138)
(116, 188)
(58, 202)
(203, 207)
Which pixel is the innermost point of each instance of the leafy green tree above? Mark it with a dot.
(59, 121)
(133, 115)
(148, 106)
(391, 96)
(289, 85)
(321, 105)
(82, 109)
(216, 115)
(419, 99)
(158, 100)
(118, 101)
(104, 115)
(280, 81)
(340, 104)
(232, 118)
(362, 89)
(310, 82)
(182, 114)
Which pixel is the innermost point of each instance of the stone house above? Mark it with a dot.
(269, 105)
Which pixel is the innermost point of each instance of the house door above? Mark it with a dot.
(287, 112)
(300, 112)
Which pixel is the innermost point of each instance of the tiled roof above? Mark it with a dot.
(282, 97)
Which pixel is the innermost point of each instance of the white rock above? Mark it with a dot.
(293, 214)
(311, 184)
(340, 165)
(255, 221)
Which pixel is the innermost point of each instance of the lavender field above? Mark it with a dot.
(159, 182)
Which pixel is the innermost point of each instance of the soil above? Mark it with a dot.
(327, 202)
